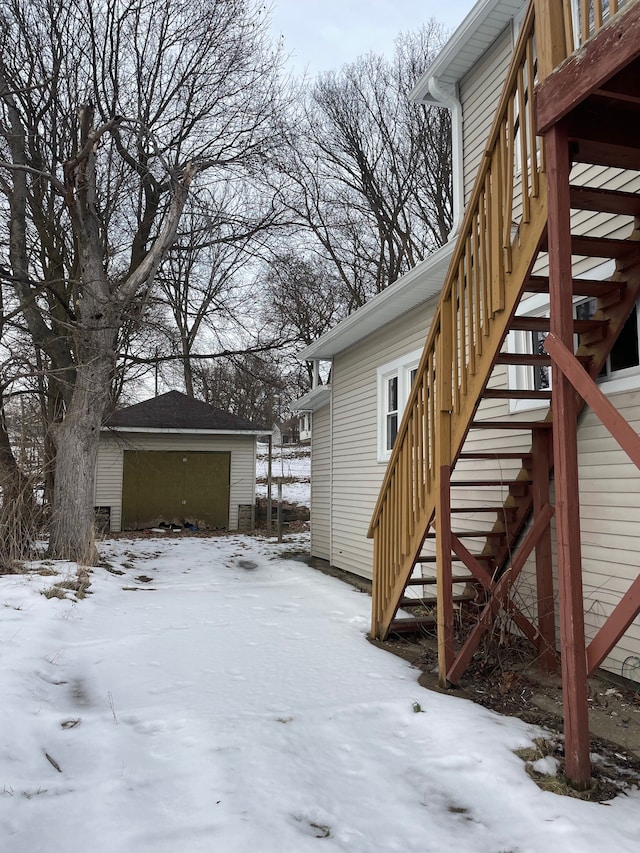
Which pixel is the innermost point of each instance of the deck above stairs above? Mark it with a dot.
(469, 481)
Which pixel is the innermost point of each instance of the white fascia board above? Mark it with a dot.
(172, 431)
(484, 23)
(420, 284)
(315, 399)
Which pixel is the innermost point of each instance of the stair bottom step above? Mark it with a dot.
(411, 626)
(430, 600)
(429, 581)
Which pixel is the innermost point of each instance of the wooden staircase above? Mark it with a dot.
(468, 482)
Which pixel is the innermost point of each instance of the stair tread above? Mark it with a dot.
(471, 509)
(542, 324)
(506, 454)
(598, 247)
(430, 581)
(499, 482)
(605, 200)
(580, 286)
(531, 359)
(520, 425)
(413, 624)
(420, 602)
(604, 138)
(432, 559)
(463, 534)
(518, 394)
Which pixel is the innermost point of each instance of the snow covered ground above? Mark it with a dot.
(217, 696)
(293, 464)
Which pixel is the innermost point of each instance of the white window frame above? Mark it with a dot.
(400, 369)
(521, 376)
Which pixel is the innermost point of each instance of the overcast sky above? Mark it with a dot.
(324, 34)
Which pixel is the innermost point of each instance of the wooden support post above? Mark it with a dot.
(269, 485)
(444, 589)
(565, 446)
(279, 509)
(544, 563)
(551, 39)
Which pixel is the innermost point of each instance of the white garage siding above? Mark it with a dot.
(108, 490)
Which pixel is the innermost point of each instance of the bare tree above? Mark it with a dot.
(370, 171)
(207, 278)
(303, 299)
(249, 385)
(110, 111)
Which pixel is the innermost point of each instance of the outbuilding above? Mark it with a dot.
(174, 461)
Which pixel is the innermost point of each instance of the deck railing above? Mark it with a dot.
(583, 18)
(499, 236)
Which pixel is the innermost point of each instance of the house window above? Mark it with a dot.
(394, 384)
(391, 430)
(621, 366)
(625, 354)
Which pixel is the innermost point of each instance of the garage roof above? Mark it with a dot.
(178, 412)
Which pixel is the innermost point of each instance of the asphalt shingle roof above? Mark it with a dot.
(175, 410)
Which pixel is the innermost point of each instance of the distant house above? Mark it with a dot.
(305, 427)
(173, 460)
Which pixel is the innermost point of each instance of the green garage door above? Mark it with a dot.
(175, 487)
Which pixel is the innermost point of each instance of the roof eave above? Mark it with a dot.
(185, 431)
(484, 23)
(315, 399)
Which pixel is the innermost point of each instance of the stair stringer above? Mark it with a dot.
(524, 252)
(596, 352)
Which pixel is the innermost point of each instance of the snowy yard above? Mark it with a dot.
(213, 695)
(292, 463)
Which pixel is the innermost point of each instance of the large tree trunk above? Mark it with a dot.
(77, 437)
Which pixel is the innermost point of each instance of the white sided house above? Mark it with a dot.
(479, 391)
(176, 461)
(375, 351)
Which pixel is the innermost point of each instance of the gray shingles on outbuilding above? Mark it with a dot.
(175, 410)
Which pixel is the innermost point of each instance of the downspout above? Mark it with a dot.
(447, 95)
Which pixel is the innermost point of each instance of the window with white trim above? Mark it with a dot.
(621, 371)
(394, 384)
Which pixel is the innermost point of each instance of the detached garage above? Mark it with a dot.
(173, 460)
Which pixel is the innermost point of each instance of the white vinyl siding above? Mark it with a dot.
(109, 468)
(321, 484)
(610, 518)
(357, 474)
(480, 91)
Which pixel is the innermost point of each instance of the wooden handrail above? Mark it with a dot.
(583, 19)
(468, 326)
